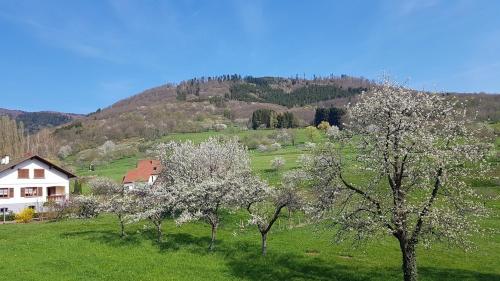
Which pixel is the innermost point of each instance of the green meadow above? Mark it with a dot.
(92, 249)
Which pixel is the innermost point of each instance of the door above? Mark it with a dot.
(51, 190)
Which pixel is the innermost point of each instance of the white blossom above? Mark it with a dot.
(277, 163)
(202, 179)
(413, 150)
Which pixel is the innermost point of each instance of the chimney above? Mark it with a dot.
(5, 160)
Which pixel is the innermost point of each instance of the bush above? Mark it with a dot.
(65, 151)
(309, 145)
(277, 163)
(220, 127)
(332, 132)
(9, 216)
(323, 126)
(85, 206)
(275, 146)
(282, 136)
(56, 210)
(25, 216)
(312, 133)
(254, 140)
(262, 148)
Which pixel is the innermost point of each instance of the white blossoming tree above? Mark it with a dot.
(265, 204)
(113, 198)
(154, 203)
(205, 178)
(277, 163)
(413, 151)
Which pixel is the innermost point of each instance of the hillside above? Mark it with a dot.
(197, 104)
(35, 121)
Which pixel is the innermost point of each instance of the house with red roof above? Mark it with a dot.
(147, 171)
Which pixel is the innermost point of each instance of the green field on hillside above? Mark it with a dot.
(92, 249)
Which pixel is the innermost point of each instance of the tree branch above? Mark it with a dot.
(426, 209)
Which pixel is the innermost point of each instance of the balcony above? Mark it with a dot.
(56, 197)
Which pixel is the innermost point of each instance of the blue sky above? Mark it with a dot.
(77, 56)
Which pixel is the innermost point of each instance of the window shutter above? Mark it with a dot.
(22, 192)
(23, 173)
(11, 192)
(39, 173)
(39, 191)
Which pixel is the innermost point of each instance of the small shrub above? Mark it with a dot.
(262, 148)
(220, 127)
(85, 206)
(65, 151)
(309, 145)
(25, 216)
(312, 133)
(332, 132)
(282, 136)
(9, 216)
(275, 146)
(324, 126)
(277, 163)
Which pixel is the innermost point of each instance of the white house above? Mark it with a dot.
(30, 182)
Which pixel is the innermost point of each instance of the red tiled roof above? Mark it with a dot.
(145, 168)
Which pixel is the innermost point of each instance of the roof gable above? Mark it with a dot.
(36, 157)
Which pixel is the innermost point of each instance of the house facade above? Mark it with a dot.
(30, 182)
(146, 172)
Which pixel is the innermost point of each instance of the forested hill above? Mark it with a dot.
(35, 121)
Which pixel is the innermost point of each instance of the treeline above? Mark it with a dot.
(35, 121)
(332, 115)
(15, 142)
(268, 118)
(12, 138)
(298, 97)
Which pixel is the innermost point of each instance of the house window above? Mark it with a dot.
(31, 207)
(4, 193)
(32, 191)
(4, 210)
(23, 173)
(39, 173)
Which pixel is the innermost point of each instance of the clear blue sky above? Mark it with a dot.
(77, 56)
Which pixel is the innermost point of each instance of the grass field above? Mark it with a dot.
(92, 249)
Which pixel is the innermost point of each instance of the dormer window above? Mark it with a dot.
(23, 174)
(39, 173)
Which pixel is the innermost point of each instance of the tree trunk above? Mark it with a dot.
(409, 260)
(159, 232)
(214, 235)
(264, 243)
(122, 229)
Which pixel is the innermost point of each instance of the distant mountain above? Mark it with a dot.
(35, 121)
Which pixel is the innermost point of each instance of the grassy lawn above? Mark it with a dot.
(92, 250)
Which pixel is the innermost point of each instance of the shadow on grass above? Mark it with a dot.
(245, 262)
(108, 237)
(451, 274)
(296, 267)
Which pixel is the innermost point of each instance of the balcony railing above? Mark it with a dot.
(58, 197)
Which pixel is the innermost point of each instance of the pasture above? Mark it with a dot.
(92, 249)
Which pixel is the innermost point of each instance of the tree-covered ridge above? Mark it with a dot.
(308, 94)
(35, 121)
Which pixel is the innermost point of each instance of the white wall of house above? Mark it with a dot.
(53, 178)
(152, 179)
